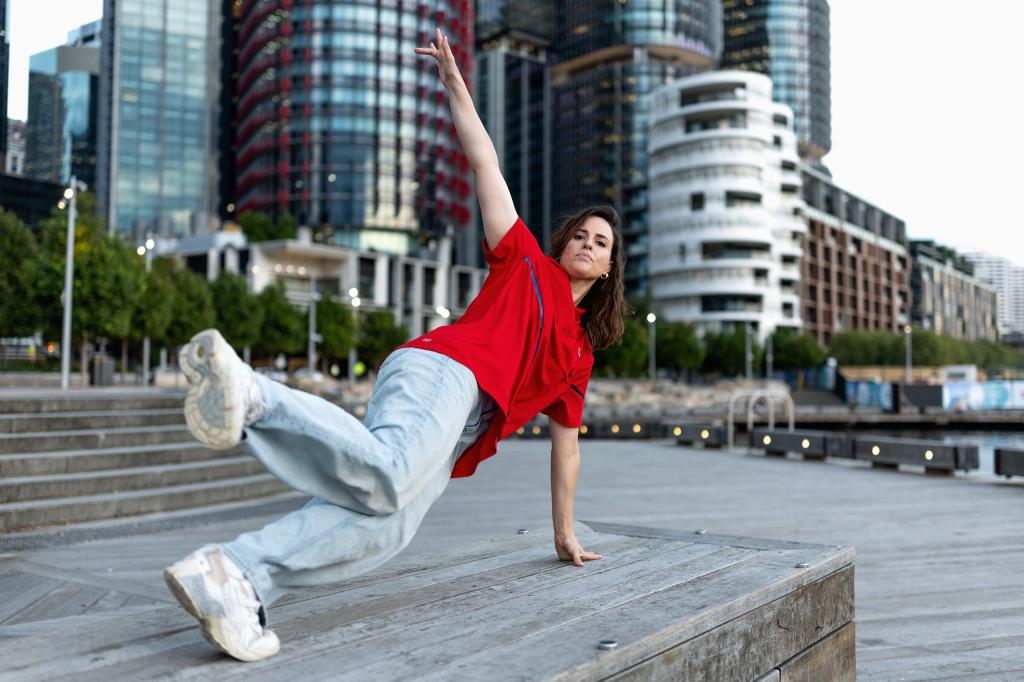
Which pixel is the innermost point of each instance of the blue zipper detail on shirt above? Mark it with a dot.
(536, 291)
(577, 390)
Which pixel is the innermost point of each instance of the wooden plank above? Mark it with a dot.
(643, 627)
(21, 590)
(66, 599)
(833, 658)
(118, 584)
(712, 538)
(141, 645)
(450, 646)
(759, 640)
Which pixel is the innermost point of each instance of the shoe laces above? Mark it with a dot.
(243, 605)
(253, 397)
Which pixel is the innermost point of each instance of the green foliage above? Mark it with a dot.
(628, 358)
(862, 347)
(873, 348)
(191, 308)
(724, 353)
(283, 329)
(334, 323)
(238, 311)
(379, 334)
(791, 350)
(108, 277)
(678, 347)
(155, 306)
(18, 315)
(259, 227)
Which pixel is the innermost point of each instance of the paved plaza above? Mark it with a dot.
(938, 558)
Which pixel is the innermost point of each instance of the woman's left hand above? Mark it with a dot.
(569, 549)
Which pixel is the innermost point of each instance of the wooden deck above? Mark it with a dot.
(937, 580)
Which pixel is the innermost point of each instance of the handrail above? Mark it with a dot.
(752, 397)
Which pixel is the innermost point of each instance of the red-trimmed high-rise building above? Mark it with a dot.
(336, 121)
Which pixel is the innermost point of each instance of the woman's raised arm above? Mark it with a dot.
(496, 206)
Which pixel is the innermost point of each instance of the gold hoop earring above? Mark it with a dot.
(604, 276)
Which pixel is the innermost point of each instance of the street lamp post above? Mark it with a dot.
(909, 334)
(353, 294)
(748, 351)
(651, 364)
(147, 250)
(769, 357)
(314, 296)
(70, 195)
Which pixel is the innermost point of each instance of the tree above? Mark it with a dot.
(191, 307)
(628, 358)
(282, 329)
(239, 316)
(379, 334)
(677, 347)
(259, 227)
(18, 253)
(155, 305)
(107, 278)
(791, 350)
(335, 324)
(725, 353)
(871, 348)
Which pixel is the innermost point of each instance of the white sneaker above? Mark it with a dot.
(222, 395)
(212, 588)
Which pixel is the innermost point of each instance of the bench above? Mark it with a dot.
(661, 605)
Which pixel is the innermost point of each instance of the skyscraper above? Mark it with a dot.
(611, 54)
(789, 41)
(1007, 278)
(63, 95)
(726, 211)
(5, 51)
(514, 100)
(339, 123)
(158, 115)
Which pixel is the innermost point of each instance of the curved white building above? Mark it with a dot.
(726, 216)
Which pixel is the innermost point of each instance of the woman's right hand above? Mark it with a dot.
(440, 50)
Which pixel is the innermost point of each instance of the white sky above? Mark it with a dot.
(926, 108)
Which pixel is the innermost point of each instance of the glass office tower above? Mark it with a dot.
(160, 81)
(787, 40)
(61, 131)
(611, 55)
(339, 124)
(514, 100)
(5, 52)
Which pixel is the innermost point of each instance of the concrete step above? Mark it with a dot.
(26, 488)
(85, 401)
(25, 515)
(100, 459)
(80, 439)
(93, 419)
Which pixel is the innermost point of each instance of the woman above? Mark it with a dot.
(440, 405)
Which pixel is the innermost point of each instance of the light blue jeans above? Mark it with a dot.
(372, 483)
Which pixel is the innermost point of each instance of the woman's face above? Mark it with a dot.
(588, 253)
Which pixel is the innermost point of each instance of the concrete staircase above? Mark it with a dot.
(68, 459)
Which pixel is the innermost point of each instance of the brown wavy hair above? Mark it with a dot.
(605, 303)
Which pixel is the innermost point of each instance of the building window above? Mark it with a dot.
(788, 165)
(682, 252)
(697, 201)
(777, 141)
(734, 199)
(790, 189)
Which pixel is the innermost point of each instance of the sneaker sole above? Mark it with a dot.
(213, 388)
(209, 628)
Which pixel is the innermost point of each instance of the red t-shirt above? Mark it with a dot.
(522, 339)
